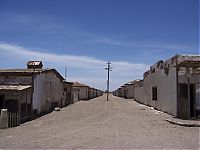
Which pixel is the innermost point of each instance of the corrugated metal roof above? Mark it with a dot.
(14, 87)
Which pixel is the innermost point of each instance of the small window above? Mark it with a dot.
(154, 93)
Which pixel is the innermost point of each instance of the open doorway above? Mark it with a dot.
(12, 105)
(2, 103)
(192, 101)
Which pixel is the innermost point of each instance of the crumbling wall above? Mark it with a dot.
(48, 92)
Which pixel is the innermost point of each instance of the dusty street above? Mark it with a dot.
(118, 123)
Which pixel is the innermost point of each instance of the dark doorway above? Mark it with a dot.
(183, 102)
(125, 95)
(2, 99)
(12, 106)
(192, 101)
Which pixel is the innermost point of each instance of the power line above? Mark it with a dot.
(108, 80)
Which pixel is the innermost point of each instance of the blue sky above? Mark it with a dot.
(84, 34)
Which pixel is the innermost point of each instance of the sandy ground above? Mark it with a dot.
(101, 124)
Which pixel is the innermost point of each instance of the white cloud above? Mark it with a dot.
(99, 40)
(94, 72)
(74, 61)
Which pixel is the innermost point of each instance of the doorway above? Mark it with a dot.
(12, 106)
(192, 101)
(2, 101)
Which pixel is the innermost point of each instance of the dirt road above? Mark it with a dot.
(114, 124)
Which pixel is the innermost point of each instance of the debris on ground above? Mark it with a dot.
(57, 109)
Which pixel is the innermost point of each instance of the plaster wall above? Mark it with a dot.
(48, 89)
(76, 91)
(130, 91)
(166, 91)
(83, 95)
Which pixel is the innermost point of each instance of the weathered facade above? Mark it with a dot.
(48, 91)
(17, 99)
(31, 92)
(81, 91)
(130, 89)
(172, 86)
(91, 93)
(99, 93)
(68, 88)
(84, 92)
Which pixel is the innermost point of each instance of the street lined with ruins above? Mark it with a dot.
(117, 123)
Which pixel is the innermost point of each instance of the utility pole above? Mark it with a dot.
(108, 81)
(65, 73)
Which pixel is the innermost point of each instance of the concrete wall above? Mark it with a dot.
(48, 89)
(166, 91)
(80, 93)
(76, 91)
(84, 93)
(68, 93)
(130, 91)
(138, 95)
(91, 93)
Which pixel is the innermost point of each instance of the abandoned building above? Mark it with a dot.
(130, 89)
(68, 88)
(31, 92)
(99, 93)
(172, 86)
(84, 92)
(91, 93)
(80, 91)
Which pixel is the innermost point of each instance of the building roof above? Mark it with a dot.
(14, 87)
(77, 84)
(29, 72)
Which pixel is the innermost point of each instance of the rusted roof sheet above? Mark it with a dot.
(14, 87)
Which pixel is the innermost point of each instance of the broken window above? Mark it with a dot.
(154, 93)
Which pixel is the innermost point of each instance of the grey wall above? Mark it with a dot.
(76, 91)
(130, 91)
(47, 89)
(166, 91)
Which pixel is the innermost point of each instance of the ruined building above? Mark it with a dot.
(31, 92)
(172, 86)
